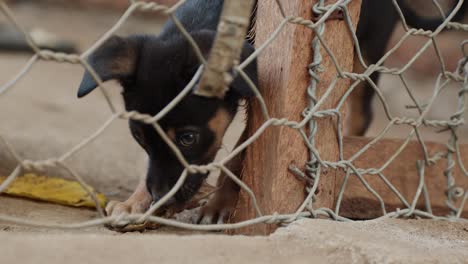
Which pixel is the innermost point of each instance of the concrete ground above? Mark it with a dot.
(306, 241)
(42, 118)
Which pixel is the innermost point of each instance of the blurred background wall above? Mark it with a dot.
(117, 4)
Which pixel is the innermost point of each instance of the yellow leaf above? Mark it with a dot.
(53, 190)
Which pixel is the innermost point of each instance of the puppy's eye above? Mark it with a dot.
(188, 139)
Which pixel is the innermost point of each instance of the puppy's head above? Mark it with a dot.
(152, 71)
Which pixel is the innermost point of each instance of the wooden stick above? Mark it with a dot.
(226, 51)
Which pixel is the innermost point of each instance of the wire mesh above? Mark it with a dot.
(306, 127)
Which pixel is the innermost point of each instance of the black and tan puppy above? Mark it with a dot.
(152, 71)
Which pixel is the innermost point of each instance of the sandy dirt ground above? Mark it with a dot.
(42, 118)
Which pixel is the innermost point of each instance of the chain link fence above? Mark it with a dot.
(306, 127)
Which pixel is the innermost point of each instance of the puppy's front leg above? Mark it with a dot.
(223, 202)
(137, 203)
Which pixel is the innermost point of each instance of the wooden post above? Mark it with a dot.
(283, 82)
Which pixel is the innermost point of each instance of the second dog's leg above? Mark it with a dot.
(359, 114)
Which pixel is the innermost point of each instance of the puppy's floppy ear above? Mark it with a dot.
(239, 86)
(116, 59)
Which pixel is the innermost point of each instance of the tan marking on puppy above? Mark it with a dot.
(171, 134)
(218, 125)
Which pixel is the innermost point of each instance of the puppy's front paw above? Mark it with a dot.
(120, 209)
(115, 208)
(216, 211)
(210, 215)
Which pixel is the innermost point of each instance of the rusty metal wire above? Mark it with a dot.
(306, 127)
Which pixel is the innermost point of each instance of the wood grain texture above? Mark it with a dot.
(339, 40)
(283, 82)
(358, 203)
